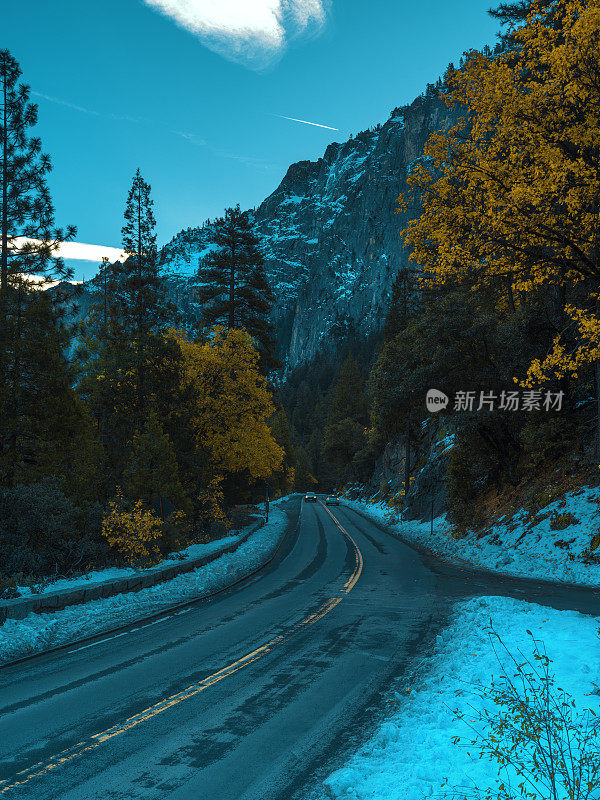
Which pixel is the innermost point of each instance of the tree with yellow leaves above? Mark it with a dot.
(134, 532)
(229, 403)
(511, 193)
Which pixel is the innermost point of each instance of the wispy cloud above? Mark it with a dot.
(252, 32)
(66, 103)
(192, 138)
(306, 122)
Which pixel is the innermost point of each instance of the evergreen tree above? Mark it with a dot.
(233, 286)
(152, 471)
(512, 12)
(344, 432)
(43, 426)
(402, 304)
(127, 363)
(29, 322)
(29, 237)
(104, 318)
(143, 307)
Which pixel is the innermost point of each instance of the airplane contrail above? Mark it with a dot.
(306, 122)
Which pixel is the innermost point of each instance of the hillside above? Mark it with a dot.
(330, 232)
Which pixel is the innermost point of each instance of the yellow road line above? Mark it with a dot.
(351, 582)
(97, 739)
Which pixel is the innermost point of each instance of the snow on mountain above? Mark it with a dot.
(330, 232)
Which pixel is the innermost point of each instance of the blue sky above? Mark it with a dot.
(193, 101)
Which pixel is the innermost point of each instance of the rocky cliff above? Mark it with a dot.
(330, 232)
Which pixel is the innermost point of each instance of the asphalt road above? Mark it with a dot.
(250, 694)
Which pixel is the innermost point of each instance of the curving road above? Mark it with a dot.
(246, 695)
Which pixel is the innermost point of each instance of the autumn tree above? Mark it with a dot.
(511, 193)
(229, 404)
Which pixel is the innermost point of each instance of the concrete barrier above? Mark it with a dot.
(20, 607)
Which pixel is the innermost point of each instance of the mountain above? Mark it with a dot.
(331, 233)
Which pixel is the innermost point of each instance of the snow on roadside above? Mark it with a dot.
(38, 632)
(411, 755)
(114, 573)
(516, 546)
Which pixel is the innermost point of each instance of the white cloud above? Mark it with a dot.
(78, 251)
(253, 32)
(88, 252)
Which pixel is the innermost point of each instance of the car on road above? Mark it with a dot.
(332, 500)
(310, 497)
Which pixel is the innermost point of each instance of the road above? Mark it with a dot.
(248, 695)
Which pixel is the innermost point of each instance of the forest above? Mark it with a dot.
(126, 433)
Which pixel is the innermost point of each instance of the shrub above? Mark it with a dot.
(43, 533)
(8, 587)
(543, 746)
(135, 533)
(176, 533)
(547, 439)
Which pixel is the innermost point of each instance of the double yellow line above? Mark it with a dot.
(97, 739)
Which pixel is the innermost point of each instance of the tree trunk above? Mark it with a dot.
(232, 291)
(140, 322)
(598, 411)
(407, 461)
(4, 245)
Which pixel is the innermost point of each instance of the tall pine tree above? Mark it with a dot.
(28, 244)
(129, 367)
(29, 238)
(141, 291)
(233, 286)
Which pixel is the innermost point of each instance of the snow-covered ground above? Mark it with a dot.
(38, 632)
(411, 756)
(518, 545)
(114, 573)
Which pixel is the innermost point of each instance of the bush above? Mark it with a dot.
(176, 533)
(135, 532)
(43, 533)
(546, 440)
(543, 746)
(8, 587)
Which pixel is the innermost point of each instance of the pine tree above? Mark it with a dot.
(152, 471)
(128, 365)
(28, 242)
(103, 317)
(233, 286)
(402, 304)
(42, 425)
(344, 432)
(140, 291)
(29, 237)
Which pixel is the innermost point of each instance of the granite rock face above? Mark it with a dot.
(330, 233)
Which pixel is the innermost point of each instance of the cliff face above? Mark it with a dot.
(331, 233)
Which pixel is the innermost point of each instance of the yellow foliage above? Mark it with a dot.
(210, 504)
(134, 533)
(230, 402)
(511, 193)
